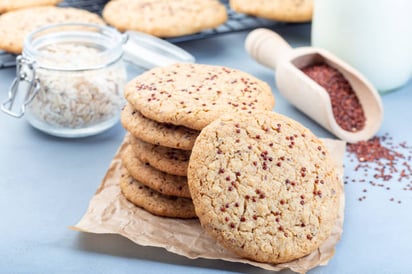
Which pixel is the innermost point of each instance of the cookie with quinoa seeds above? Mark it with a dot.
(193, 95)
(157, 133)
(263, 186)
(165, 18)
(169, 160)
(155, 202)
(162, 182)
(8, 5)
(280, 10)
(15, 25)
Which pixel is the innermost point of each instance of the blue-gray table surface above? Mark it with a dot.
(46, 184)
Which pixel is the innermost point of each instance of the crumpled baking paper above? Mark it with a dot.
(110, 212)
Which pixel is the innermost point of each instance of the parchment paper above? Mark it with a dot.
(110, 212)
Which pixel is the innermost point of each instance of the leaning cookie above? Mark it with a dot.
(279, 10)
(264, 186)
(169, 160)
(165, 18)
(161, 182)
(157, 133)
(194, 95)
(8, 5)
(15, 25)
(154, 202)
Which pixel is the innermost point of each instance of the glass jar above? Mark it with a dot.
(70, 77)
(75, 77)
(374, 36)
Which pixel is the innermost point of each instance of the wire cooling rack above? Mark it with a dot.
(236, 22)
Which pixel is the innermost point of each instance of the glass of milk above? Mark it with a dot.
(374, 36)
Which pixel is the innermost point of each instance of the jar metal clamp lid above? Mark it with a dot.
(140, 49)
(25, 73)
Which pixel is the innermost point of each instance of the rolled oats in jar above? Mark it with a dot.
(75, 77)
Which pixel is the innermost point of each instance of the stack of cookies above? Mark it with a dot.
(166, 109)
(202, 142)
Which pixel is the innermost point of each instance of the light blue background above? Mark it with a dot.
(46, 184)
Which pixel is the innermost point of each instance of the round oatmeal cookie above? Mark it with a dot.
(279, 10)
(15, 25)
(165, 18)
(164, 183)
(170, 160)
(194, 95)
(155, 202)
(263, 186)
(8, 5)
(152, 132)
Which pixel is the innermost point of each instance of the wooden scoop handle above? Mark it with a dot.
(266, 47)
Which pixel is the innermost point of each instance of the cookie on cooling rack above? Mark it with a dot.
(165, 18)
(15, 25)
(279, 10)
(7, 5)
(263, 186)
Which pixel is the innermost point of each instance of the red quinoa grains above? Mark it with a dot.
(380, 164)
(346, 107)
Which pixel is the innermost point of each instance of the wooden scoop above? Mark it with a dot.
(271, 50)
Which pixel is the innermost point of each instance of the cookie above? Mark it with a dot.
(165, 18)
(8, 5)
(263, 186)
(167, 135)
(154, 202)
(15, 25)
(194, 95)
(279, 10)
(169, 160)
(161, 182)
